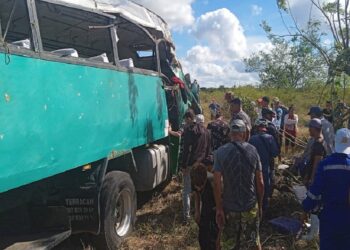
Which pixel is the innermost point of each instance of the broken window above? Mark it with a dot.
(136, 46)
(70, 32)
(14, 23)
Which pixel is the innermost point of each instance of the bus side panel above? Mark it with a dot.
(57, 116)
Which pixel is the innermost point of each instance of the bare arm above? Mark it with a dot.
(317, 160)
(218, 190)
(197, 206)
(260, 188)
(175, 133)
(220, 215)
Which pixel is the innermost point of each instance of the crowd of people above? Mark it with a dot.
(229, 166)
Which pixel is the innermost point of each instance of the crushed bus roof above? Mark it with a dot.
(127, 9)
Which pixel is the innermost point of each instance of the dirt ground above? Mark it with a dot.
(159, 224)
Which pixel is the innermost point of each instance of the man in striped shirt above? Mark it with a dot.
(329, 195)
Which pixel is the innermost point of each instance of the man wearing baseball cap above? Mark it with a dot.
(238, 114)
(329, 195)
(267, 149)
(239, 203)
(327, 128)
(316, 154)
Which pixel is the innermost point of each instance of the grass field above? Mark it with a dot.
(302, 99)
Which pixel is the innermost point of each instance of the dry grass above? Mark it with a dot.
(159, 224)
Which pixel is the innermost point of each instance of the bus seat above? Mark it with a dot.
(23, 43)
(100, 58)
(65, 52)
(128, 63)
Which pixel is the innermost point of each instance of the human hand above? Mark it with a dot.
(197, 217)
(260, 213)
(220, 218)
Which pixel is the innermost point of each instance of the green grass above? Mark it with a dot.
(302, 99)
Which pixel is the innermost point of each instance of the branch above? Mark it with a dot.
(319, 48)
(339, 24)
(334, 27)
(334, 32)
(346, 23)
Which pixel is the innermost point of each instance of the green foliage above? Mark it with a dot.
(293, 62)
(282, 4)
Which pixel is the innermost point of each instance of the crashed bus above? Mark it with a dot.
(88, 92)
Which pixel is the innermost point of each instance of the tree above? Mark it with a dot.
(336, 15)
(292, 63)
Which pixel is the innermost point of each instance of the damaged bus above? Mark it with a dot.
(88, 90)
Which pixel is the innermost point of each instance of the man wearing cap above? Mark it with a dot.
(327, 128)
(239, 203)
(238, 114)
(330, 195)
(316, 154)
(267, 149)
(268, 115)
(196, 149)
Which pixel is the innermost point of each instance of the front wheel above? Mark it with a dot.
(118, 209)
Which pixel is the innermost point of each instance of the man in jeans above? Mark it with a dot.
(197, 147)
(239, 206)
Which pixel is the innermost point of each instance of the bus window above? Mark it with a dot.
(70, 32)
(18, 26)
(136, 46)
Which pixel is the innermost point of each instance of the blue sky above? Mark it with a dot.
(212, 37)
(243, 10)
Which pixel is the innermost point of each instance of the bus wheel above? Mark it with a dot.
(118, 208)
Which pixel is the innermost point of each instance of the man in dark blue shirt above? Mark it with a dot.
(330, 194)
(267, 150)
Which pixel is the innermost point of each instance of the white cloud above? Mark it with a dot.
(217, 58)
(178, 13)
(256, 10)
(302, 10)
(223, 31)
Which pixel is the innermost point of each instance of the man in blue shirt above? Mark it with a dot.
(330, 194)
(267, 150)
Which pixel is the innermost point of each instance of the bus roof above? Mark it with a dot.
(128, 10)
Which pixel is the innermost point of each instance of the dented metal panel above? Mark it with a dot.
(57, 116)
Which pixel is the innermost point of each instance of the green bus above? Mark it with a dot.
(88, 92)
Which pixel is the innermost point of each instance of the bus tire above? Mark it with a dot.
(118, 209)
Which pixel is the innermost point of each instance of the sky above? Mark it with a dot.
(213, 36)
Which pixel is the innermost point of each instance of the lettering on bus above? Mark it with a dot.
(80, 209)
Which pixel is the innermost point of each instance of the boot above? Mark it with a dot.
(314, 229)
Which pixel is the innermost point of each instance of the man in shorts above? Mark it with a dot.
(239, 202)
